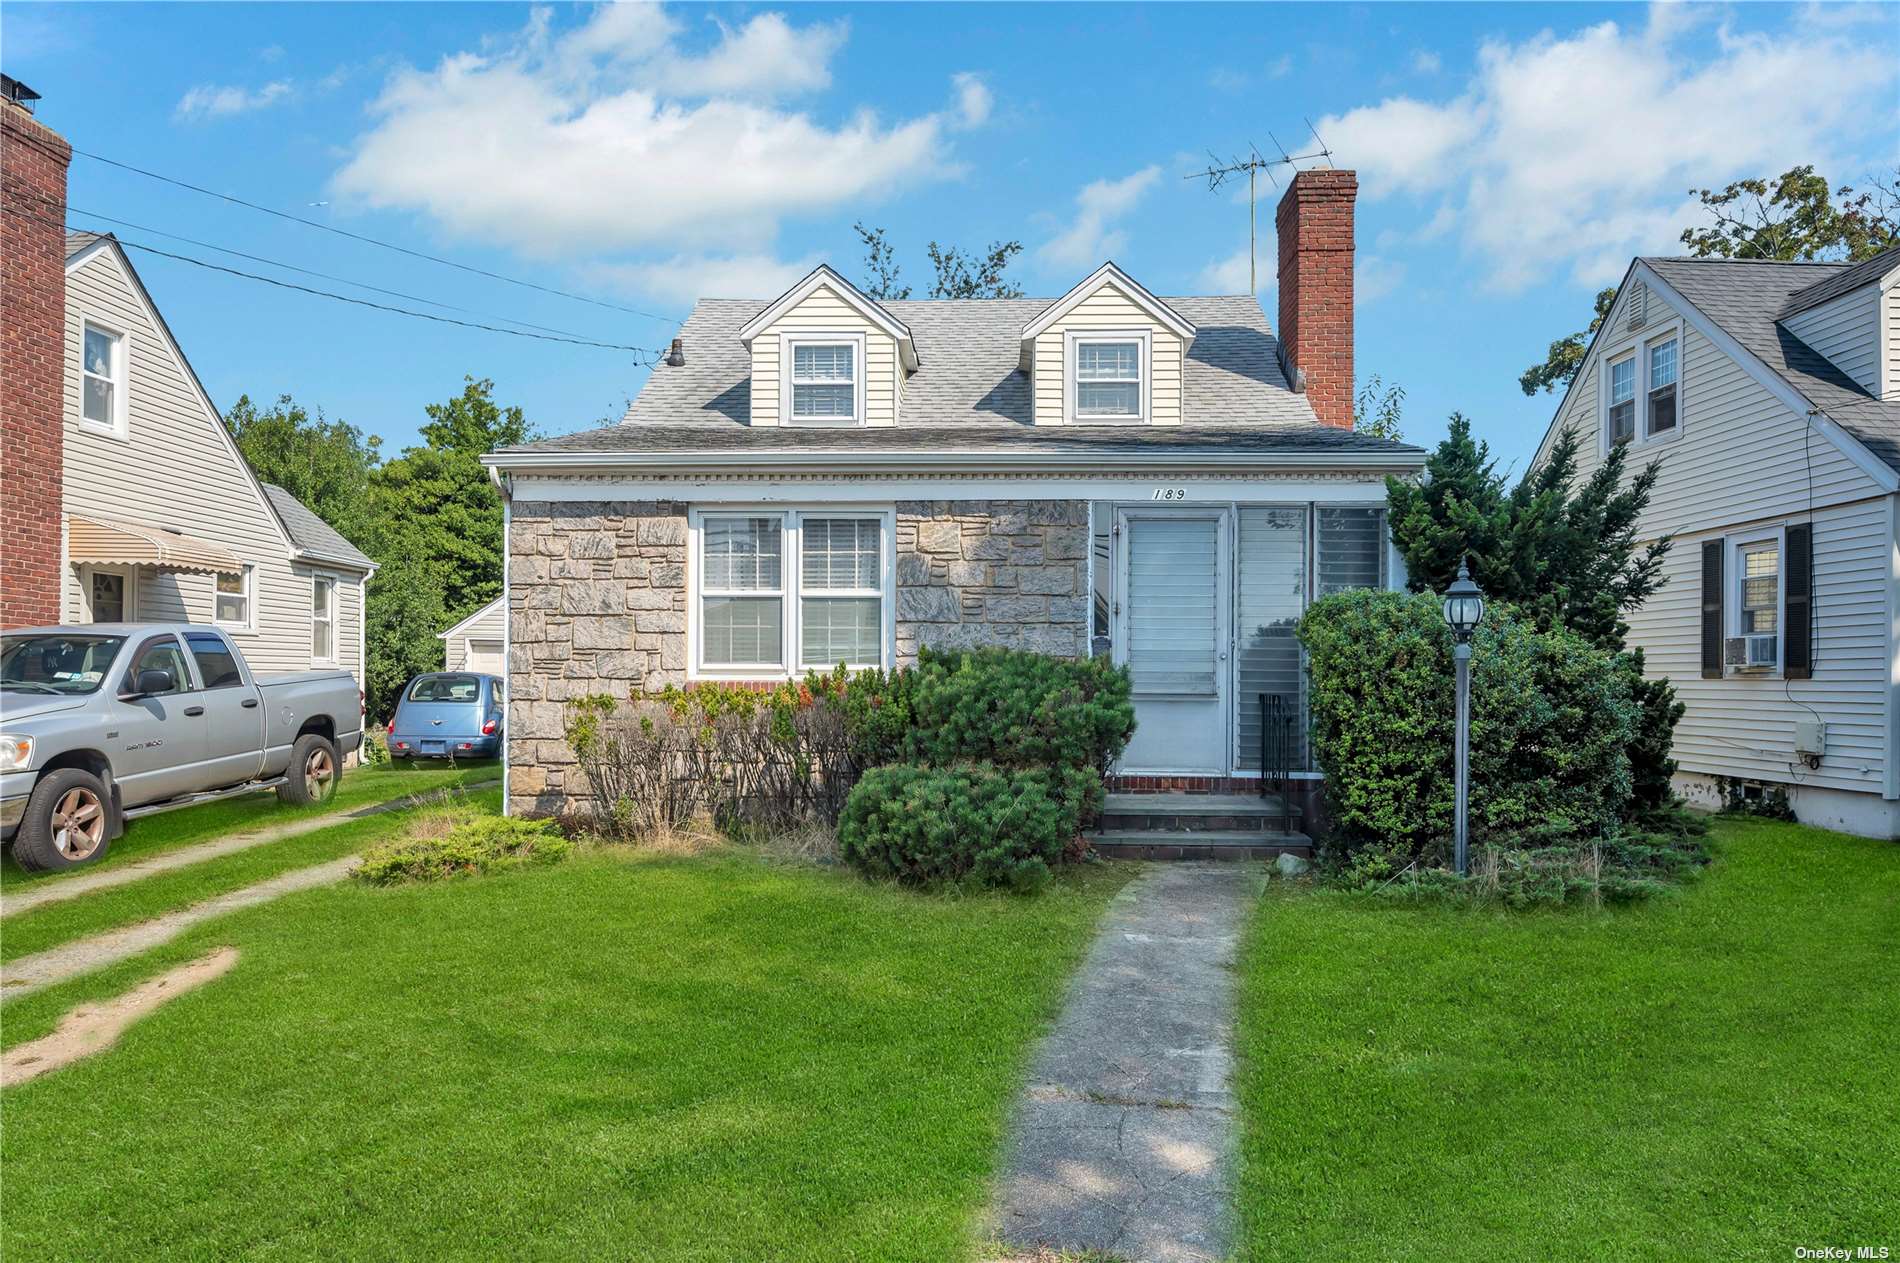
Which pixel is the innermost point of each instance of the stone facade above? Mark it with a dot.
(992, 572)
(596, 604)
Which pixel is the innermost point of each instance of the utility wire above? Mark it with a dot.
(292, 267)
(651, 356)
(353, 236)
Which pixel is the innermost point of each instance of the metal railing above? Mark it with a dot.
(1279, 750)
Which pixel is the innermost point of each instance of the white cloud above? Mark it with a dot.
(683, 279)
(609, 136)
(1222, 79)
(1426, 62)
(212, 101)
(1373, 277)
(1541, 182)
(1092, 237)
(1228, 275)
(974, 99)
(1280, 66)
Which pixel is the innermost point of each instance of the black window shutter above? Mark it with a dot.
(1712, 552)
(1797, 603)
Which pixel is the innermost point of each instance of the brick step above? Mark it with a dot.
(1195, 813)
(1205, 844)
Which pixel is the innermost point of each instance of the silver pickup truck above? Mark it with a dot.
(102, 723)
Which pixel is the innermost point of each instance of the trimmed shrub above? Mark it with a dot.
(1551, 725)
(487, 844)
(1017, 709)
(973, 823)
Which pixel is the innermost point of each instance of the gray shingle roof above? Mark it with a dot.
(969, 436)
(77, 241)
(310, 533)
(968, 351)
(1745, 298)
(1842, 278)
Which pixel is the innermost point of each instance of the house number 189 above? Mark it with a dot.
(1170, 493)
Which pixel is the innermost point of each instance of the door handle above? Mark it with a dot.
(249, 703)
(194, 710)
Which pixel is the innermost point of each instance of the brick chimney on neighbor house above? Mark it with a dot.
(33, 160)
(1314, 223)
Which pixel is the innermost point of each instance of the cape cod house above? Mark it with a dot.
(822, 477)
(125, 499)
(1771, 392)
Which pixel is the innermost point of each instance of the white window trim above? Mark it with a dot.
(249, 626)
(1638, 346)
(787, 344)
(1732, 596)
(319, 581)
(121, 425)
(791, 538)
(1073, 338)
(131, 576)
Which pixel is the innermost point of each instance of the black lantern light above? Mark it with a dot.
(1464, 606)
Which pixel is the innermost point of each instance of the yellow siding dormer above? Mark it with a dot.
(1077, 352)
(848, 353)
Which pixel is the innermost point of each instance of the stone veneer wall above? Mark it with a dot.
(992, 572)
(596, 604)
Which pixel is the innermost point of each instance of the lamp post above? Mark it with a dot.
(1464, 610)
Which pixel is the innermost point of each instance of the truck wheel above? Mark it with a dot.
(314, 771)
(67, 822)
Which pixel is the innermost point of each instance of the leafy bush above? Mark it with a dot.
(974, 823)
(1018, 709)
(486, 844)
(1551, 723)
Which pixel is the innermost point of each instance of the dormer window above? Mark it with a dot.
(1108, 377)
(824, 374)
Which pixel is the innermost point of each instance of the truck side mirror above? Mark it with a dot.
(151, 680)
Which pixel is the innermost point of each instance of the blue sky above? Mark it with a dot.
(1511, 159)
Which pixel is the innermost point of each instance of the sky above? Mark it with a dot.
(1512, 158)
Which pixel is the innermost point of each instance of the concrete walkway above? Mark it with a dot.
(39, 893)
(56, 964)
(1123, 1141)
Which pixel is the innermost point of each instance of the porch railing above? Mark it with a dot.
(1279, 749)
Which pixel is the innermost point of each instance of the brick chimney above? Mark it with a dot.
(33, 160)
(1314, 223)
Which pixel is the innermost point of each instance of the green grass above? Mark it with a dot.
(665, 1059)
(1711, 1075)
(55, 923)
(361, 787)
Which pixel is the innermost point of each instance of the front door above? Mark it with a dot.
(1175, 635)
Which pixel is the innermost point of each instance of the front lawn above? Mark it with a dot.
(1714, 1074)
(361, 787)
(617, 1057)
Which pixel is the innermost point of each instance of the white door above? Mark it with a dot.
(484, 657)
(1175, 635)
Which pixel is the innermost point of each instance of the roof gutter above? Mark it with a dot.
(967, 460)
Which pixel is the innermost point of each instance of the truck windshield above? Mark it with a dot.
(58, 663)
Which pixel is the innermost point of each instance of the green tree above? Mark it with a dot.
(1793, 217)
(882, 277)
(326, 464)
(1378, 409)
(959, 274)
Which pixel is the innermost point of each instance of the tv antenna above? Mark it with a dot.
(1219, 172)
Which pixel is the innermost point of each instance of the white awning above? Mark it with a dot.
(102, 542)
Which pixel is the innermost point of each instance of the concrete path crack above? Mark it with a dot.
(52, 890)
(1123, 1141)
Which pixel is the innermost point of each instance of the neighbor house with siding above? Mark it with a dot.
(1771, 394)
(475, 643)
(824, 477)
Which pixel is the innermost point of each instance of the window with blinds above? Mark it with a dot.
(1351, 550)
(842, 594)
(1173, 612)
(814, 580)
(1269, 598)
(742, 598)
(824, 381)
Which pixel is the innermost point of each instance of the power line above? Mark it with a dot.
(353, 236)
(292, 267)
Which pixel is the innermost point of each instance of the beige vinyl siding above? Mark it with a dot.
(1742, 460)
(1744, 726)
(492, 625)
(1847, 331)
(823, 311)
(176, 469)
(1109, 308)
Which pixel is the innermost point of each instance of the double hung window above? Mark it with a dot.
(784, 591)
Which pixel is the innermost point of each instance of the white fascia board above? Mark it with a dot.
(1774, 383)
(1108, 273)
(863, 304)
(980, 460)
(1359, 488)
(481, 613)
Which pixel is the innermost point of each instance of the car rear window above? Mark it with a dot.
(446, 688)
(216, 663)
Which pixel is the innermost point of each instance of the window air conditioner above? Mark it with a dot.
(1758, 652)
